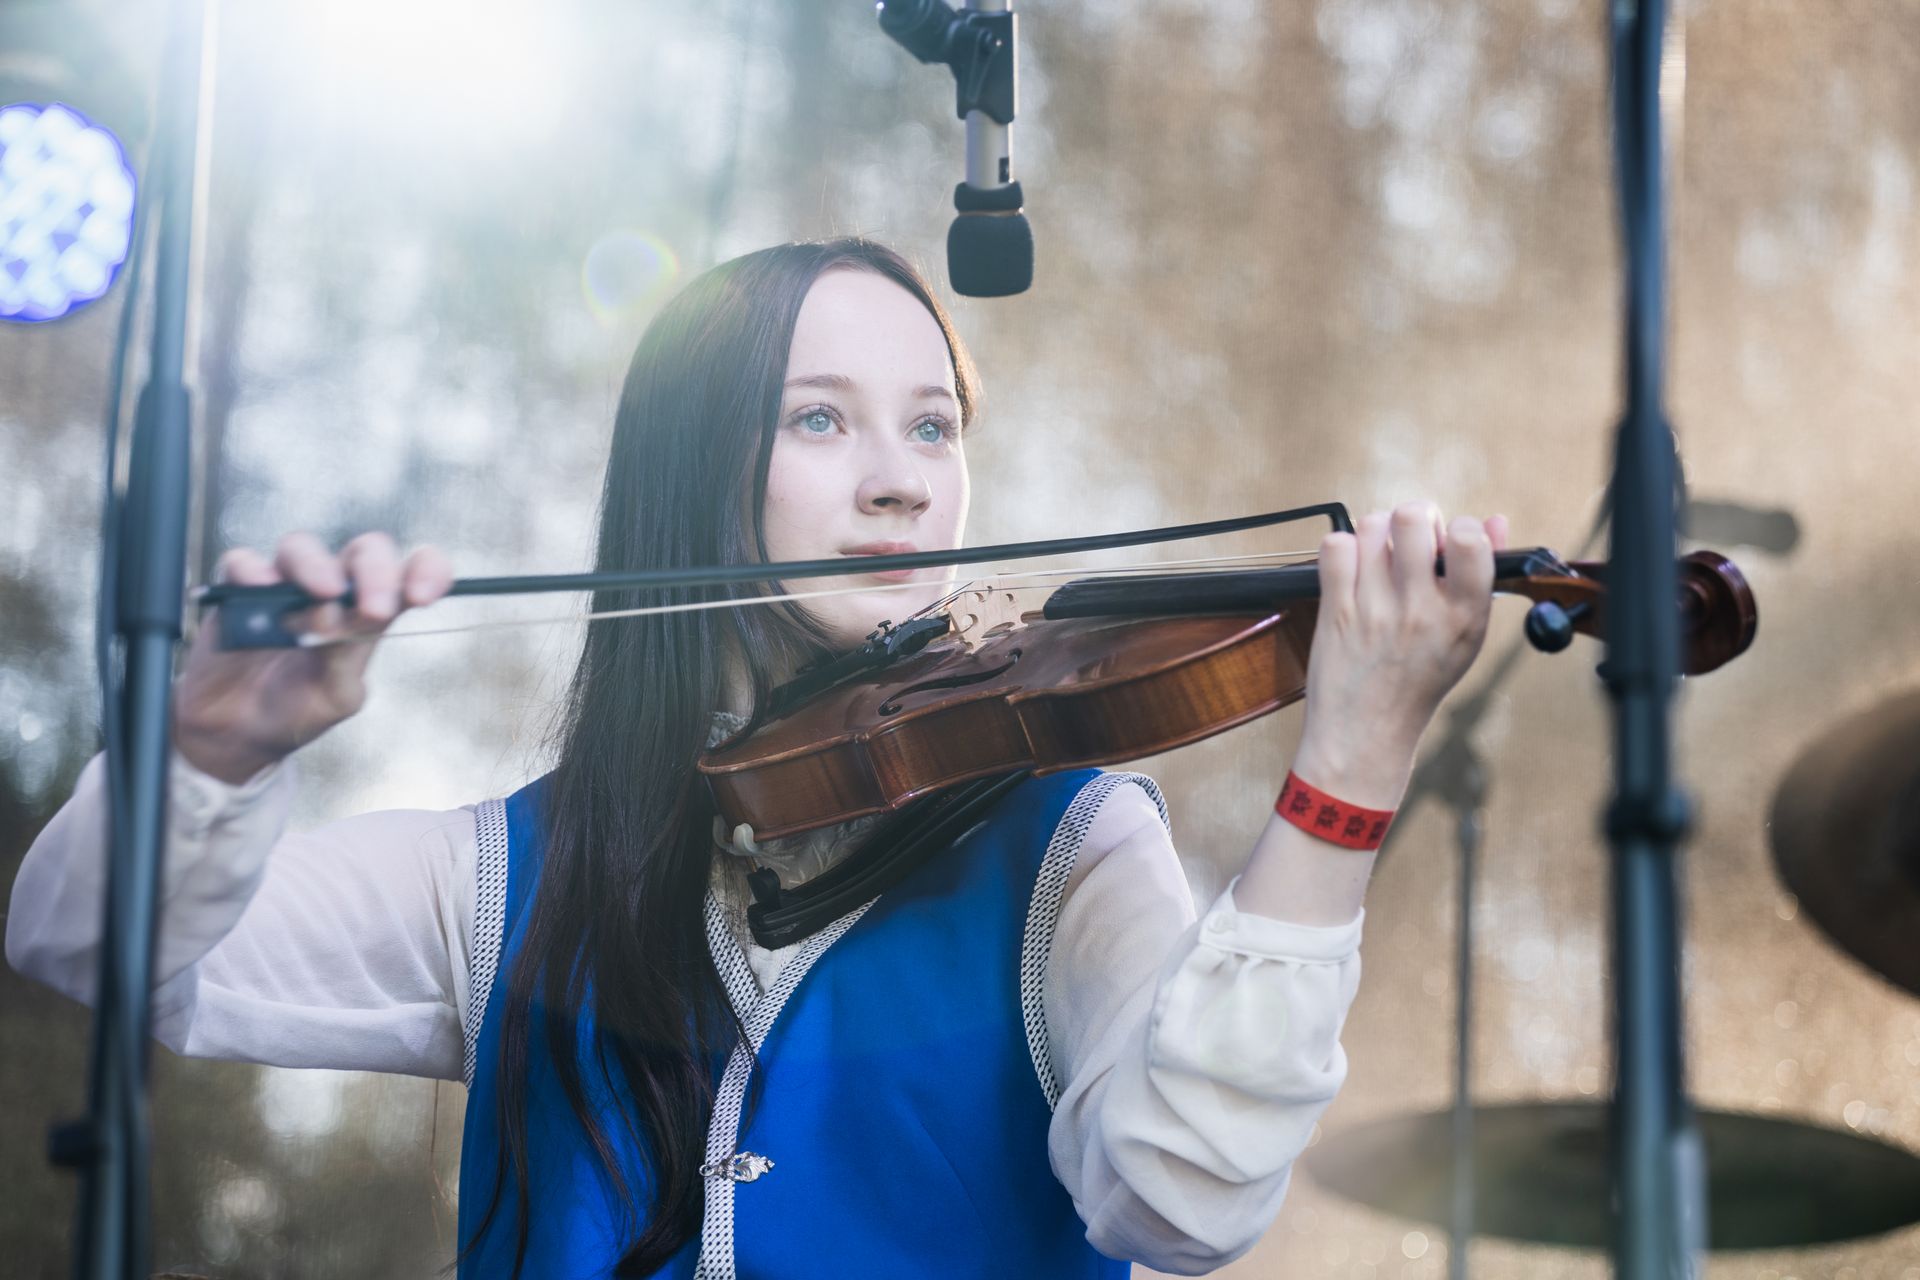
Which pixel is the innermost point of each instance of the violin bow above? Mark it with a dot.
(254, 617)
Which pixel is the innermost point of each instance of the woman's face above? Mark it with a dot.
(866, 456)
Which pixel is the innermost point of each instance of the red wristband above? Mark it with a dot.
(1335, 821)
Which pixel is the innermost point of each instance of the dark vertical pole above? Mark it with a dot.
(1467, 822)
(1657, 1169)
(115, 1226)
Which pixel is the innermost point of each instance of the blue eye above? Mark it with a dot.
(816, 422)
(931, 431)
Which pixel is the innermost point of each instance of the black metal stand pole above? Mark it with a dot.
(1658, 1169)
(112, 1144)
(1466, 790)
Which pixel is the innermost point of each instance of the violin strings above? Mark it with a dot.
(989, 582)
(992, 582)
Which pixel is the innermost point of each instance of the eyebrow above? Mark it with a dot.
(840, 382)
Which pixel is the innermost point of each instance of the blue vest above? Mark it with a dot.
(900, 1103)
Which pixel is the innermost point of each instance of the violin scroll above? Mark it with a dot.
(1718, 616)
(1716, 610)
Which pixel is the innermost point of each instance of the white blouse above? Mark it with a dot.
(1196, 1055)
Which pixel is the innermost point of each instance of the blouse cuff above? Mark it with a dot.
(1228, 928)
(203, 801)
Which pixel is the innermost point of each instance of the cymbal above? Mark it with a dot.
(1846, 836)
(1541, 1174)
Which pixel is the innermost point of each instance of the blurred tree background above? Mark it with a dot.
(1355, 249)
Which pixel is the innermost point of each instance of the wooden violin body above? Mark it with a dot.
(1051, 694)
(1111, 670)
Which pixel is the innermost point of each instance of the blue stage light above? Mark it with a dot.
(66, 211)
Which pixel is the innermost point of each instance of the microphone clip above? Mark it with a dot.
(978, 45)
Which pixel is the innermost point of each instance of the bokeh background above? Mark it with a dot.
(1354, 249)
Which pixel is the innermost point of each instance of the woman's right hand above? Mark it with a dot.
(236, 712)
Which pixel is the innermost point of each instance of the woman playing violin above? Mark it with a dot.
(1026, 1058)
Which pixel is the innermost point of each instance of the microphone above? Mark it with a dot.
(990, 244)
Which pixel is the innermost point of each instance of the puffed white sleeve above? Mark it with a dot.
(1194, 1056)
(344, 946)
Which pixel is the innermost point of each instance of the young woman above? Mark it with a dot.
(1029, 1058)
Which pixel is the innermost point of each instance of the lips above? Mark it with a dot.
(884, 549)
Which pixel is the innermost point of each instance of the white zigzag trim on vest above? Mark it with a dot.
(1043, 913)
(489, 920)
(758, 1012)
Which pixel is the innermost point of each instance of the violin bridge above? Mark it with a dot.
(979, 614)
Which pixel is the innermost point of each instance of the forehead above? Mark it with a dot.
(866, 327)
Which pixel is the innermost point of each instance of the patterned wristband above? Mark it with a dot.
(1335, 821)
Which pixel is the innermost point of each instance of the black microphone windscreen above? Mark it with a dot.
(990, 255)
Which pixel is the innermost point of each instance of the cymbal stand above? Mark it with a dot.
(1461, 778)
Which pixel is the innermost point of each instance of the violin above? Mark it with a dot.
(974, 686)
(1109, 669)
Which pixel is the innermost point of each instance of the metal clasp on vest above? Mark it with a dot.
(741, 1166)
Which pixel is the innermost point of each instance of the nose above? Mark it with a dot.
(893, 485)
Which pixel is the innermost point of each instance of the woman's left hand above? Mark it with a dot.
(1392, 638)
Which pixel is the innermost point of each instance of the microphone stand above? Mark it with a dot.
(1659, 1165)
(143, 572)
(1658, 1161)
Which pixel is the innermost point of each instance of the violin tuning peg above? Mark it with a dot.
(1550, 627)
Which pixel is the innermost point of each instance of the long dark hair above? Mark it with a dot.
(617, 928)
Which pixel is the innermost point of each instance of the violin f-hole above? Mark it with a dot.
(892, 705)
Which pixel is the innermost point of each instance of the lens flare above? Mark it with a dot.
(625, 272)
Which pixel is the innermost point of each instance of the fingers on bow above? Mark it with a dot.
(1470, 545)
